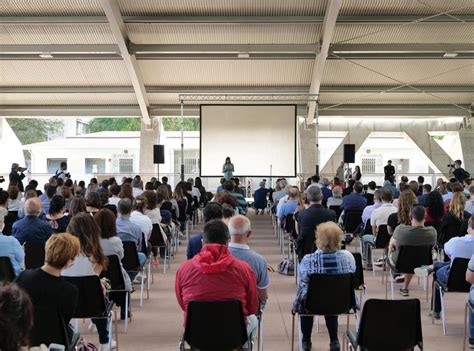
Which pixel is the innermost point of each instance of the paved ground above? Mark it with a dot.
(158, 324)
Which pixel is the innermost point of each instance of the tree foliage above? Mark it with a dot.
(35, 130)
(114, 124)
(133, 124)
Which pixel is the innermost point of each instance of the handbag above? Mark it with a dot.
(286, 267)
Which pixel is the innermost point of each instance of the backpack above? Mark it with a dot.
(286, 267)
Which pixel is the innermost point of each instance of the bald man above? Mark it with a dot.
(31, 229)
(240, 231)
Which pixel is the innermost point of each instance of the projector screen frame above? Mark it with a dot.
(295, 142)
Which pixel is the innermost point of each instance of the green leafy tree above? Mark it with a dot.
(114, 124)
(35, 130)
(133, 124)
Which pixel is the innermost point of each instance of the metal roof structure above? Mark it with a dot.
(134, 58)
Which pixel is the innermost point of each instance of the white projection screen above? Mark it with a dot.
(255, 137)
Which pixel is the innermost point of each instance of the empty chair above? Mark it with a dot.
(388, 325)
(160, 244)
(9, 219)
(34, 255)
(352, 219)
(336, 209)
(358, 278)
(456, 283)
(132, 265)
(381, 242)
(215, 326)
(6, 270)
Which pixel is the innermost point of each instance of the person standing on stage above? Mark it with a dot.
(389, 170)
(228, 169)
(340, 171)
(16, 176)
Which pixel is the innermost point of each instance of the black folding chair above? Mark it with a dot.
(160, 245)
(91, 302)
(49, 327)
(456, 283)
(352, 219)
(9, 219)
(409, 258)
(336, 209)
(131, 264)
(381, 242)
(215, 326)
(34, 255)
(114, 274)
(358, 278)
(328, 295)
(389, 325)
(6, 269)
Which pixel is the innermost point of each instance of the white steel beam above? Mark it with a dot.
(117, 26)
(329, 25)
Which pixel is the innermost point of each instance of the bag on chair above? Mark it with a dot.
(286, 267)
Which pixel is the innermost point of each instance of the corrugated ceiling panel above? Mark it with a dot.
(396, 98)
(68, 99)
(56, 34)
(451, 72)
(224, 33)
(50, 8)
(63, 73)
(227, 73)
(404, 7)
(223, 7)
(456, 32)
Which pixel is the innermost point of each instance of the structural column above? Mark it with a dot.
(307, 150)
(467, 144)
(149, 136)
(357, 133)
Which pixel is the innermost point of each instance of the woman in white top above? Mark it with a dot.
(91, 261)
(152, 208)
(112, 245)
(139, 217)
(14, 199)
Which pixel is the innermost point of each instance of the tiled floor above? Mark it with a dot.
(158, 324)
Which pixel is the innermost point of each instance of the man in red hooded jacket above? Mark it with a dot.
(215, 275)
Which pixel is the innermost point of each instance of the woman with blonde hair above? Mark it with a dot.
(454, 222)
(328, 259)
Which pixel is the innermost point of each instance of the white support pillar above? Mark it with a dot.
(466, 136)
(307, 150)
(356, 134)
(418, 133)
(149, 136)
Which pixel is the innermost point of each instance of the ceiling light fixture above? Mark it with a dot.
(450, 54)
(243, 55)
(46, 55)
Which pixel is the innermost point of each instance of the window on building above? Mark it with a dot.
(54, 163)
(95, 165)
(82, 127)
(125, 165)
(368, 165)
(191, 161)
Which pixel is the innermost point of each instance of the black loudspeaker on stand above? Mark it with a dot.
(158, 156)
(349, 153)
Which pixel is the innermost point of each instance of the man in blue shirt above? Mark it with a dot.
(240, 231)
(213, 210)
(32, 229)
(288, 206)
(389, 185)
(11, 248)
(128, 231)
(327, 193)
(355, 200)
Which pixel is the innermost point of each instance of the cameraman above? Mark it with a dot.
(16, 176)
(458, 172)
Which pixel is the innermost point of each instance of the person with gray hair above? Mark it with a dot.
(277, 195)
(137, 186)
(308, 219)
(260, 198)
(31, 228)
(288, 205)
(336, 198)
(327, 193)
(240, 230)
